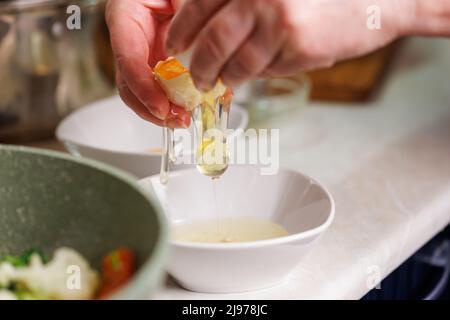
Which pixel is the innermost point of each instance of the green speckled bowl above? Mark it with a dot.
(49, 200)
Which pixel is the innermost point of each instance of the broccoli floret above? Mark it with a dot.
(24, 259)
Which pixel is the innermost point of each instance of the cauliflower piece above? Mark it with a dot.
(67, 276)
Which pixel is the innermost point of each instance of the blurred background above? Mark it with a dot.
(46, 69)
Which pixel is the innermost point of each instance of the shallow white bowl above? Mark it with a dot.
(298, 203)
(110, 132)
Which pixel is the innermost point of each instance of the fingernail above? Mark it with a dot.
(157, 113)
(159, 116)
(204, 87)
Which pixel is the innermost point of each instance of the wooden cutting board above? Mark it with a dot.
(354, 80)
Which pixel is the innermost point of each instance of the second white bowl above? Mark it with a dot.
(110, 132)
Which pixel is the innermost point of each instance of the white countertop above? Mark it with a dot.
(387, 165)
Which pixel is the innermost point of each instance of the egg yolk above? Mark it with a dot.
(169, 69)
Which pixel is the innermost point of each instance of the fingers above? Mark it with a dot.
(130, 100)
(132, 30)
(177, 4)
(219, 40)
(256, 54)
(159, 6)
(189, 21)
(177, 117)
(290, 61)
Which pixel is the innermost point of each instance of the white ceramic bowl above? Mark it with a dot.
(298, 203)
(110, 132)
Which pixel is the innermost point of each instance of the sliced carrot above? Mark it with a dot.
(117, 269)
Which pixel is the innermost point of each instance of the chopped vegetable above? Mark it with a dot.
(32, 276)
(117, 269)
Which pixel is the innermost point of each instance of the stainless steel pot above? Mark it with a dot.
(47, 69)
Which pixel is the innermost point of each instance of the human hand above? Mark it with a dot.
(138, 29)
(237, 40)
